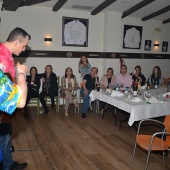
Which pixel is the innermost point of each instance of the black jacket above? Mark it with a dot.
(53, 82)
(36, 81)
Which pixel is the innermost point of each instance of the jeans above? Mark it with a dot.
(6, 151)
(86, 100)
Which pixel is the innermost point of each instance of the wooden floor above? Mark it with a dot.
(75, 143)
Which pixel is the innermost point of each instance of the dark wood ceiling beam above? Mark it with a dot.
(157, 13)
(136, 7)
(11, 5)
(166, 21)
(31, 2)
(102, 6)
(58, 5)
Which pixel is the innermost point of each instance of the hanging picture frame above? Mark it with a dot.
(164, 46)
(75, 32)
(132, 37)
(148, 45)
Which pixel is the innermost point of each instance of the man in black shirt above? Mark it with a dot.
(89, 84)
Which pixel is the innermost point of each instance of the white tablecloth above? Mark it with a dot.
(138, 111)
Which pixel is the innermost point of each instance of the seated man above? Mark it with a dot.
(123, 79)
(89, 84)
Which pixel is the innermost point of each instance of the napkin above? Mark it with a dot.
(143, 87)
(136, 99)
(116, 93)
(153, 100)
(164, 95)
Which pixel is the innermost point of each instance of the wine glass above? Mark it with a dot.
(148, 96)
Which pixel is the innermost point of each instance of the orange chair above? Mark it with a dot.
(166, 80)
(152, 142)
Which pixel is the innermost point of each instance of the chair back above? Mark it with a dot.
(167, 127)
(166, 80)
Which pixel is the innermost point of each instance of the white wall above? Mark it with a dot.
(40, 22)
(59, 65)
(114, 33)
(105, 35)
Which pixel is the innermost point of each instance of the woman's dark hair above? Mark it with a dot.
(110, 69)
(80, 62)
(159, 73)
(33, 68)
(18, 34)
(50, 67)
(139, 67)
(72, 76)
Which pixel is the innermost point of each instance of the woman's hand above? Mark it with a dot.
(103, 87)
(86, 91)
(43, 80)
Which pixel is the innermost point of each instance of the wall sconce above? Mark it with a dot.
(156, 45)
(47, 39)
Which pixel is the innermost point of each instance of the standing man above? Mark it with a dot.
(16, 96)
(123, 79)
(89, 84)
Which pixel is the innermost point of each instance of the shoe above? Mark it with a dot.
(12, 148)
(17, 165)
(101, 112)
(46, 111)
(83, 115)
(89, 110)
(75, 104)
(66, 113)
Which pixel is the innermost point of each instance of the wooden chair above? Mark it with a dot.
(48, 100)
(63, 98)
(153, 142)
(34, 102)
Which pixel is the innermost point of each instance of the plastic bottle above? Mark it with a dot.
(156, 85)
(117, 87)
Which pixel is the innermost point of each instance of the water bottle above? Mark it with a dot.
(126, 91)
(156, 85)
(117, 87)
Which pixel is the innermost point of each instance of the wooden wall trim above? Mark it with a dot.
(78, 54)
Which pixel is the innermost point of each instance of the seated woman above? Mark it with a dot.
(33, 83)
(50, 87)
(69, 84)
(108, 79)
(156, 76)
(84, 66)
(137, 75)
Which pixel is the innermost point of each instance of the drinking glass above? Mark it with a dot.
(148, 96)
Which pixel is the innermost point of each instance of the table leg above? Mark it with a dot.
(124, 120)
(113, 112)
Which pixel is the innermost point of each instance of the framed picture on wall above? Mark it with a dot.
(148, 44)
(132, 36)
(164, 46)
(75, 32)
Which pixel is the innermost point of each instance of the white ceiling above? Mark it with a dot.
(117, 6)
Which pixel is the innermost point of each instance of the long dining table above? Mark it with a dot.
(138, 110)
